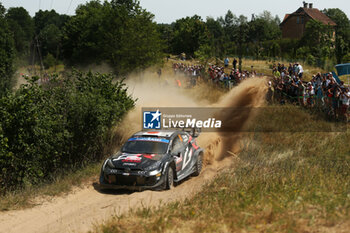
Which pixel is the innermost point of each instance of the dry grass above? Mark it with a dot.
(281, 182)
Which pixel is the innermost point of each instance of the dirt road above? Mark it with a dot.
(80, 210)
(85, 207)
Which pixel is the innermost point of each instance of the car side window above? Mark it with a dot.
(185, 138)
(177, 144)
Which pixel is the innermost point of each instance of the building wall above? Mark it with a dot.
(294, 27)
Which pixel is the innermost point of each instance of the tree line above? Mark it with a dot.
(124, 35)
(118, 32)
(260, 38)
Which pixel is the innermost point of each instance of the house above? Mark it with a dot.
(293, 25)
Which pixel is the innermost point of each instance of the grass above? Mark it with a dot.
(280, 182)
(61, 184)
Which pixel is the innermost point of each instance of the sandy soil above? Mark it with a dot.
(84, 208)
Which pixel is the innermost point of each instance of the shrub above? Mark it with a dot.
(346, 58)
(49, 61)
(310, 60)
(58, 125)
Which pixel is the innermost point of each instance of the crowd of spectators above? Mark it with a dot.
(193, 72)
(217, 75)
(323, 91)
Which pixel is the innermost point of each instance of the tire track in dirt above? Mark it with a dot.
(85, 207)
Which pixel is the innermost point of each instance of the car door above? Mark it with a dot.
(177, 150)
(187, 153)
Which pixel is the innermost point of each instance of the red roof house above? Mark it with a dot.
(293, 25)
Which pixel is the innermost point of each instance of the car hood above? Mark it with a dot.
(135, 161)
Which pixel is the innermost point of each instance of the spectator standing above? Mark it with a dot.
(300, 71)
(345, 97)
(290, 69)
(226, 62)
(234, 63)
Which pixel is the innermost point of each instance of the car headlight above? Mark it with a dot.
(154, 166)
(110, 164)
(157, 173)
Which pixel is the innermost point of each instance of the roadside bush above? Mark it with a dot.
(346, 58)
(310, 60)
(58, 125)
(49, 61)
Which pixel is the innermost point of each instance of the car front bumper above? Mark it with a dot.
(130, 181)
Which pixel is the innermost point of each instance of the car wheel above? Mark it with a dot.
(199, 165)
(170, 178)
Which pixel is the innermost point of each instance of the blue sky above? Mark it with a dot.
(167, 11)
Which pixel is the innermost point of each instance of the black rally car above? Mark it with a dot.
(153, 160)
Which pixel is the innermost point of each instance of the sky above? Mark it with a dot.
(168, 11)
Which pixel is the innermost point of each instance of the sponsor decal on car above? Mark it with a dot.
(151, 139)
(129, 164)
(149, 156)
(127, 158)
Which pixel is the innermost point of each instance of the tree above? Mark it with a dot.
(50, 40)
(22, 27)
(119, 33)
(216, 37)
(264, 27)
(318, 38)
(6, 54)
(189, 34)
(166, 35)
(342, 32)
(241, 37)
(48, 32)
(44, 18)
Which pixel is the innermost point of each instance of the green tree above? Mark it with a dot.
(241, 37)
(6, 54)
(318, 38)
(166, 35)
(50, 38)
(342, 32)
(264, 27)
(48, 33)
(216, 38)
(120, 33)
(22, 26)
(189, 34)
(229, 23)
(44, 18)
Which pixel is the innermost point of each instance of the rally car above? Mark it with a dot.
(153, 160)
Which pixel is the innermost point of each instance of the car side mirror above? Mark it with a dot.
(176, 152)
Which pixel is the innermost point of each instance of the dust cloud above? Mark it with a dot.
(152, 91)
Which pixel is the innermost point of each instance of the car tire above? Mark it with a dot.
(199, 165)
(169, 179)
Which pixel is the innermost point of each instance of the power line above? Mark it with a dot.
(69, 6)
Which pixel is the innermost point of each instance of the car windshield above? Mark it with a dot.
(146, 146)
